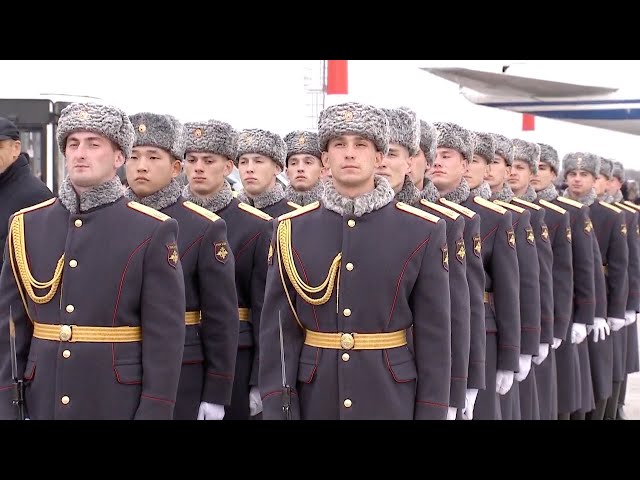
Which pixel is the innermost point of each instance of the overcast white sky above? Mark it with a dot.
(271, 94)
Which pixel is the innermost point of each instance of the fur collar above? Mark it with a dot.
(483, 191)
(409, 193)
(304, 198)
(587, 200)
(506, 194)
(529, 195)
(213, 203)
(381, 195)
(159, 200)
(460, 194)
(549, 194)
(103, 194)
(264, 199)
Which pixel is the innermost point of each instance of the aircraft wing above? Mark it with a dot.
(505, 85)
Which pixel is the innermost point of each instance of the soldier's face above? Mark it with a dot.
(395, 165)
(601, 184)
(498, 173)
(418, 169)
(206, 172)
(614, 185)
(257, 173)
(520, 177)
(580, 183)
(150, 169)
(9, 151)
(476, 171)
(91, 159)
(448, 169)
(304, 171)
(545, 177)
(352, 159)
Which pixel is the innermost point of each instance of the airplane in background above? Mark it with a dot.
(602, 106)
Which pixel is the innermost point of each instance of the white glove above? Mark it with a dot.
(600, 329)
(210, 411)
(469, 403)
(578, 332)
(255, 402)
(629, 317)
(543, 352)
(524, 363)
(556, 343)
(616, 323)
(504, 381)
(451, 413)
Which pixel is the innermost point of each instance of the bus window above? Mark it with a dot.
(31, 140)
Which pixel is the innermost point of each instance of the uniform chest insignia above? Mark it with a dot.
(623, 229)
(172, 254)
(221, 250)
(477, 245)
(530, 237)
(569, 234)
(460, 250)
(511, 238)
(588, 226)
(545, 233)
(445, 257)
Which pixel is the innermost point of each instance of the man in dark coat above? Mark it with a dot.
(19, 188)
(211, 148)
(211, 317)
(94, 284)
(345, 319)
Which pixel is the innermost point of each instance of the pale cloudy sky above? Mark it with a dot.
(271, 94)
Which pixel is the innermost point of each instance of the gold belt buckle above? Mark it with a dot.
(65, 333)
(347, 341)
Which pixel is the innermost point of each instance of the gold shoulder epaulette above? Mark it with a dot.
(417, 212)
(201, 211)
(254, 211)
(552, 206)
(235, 194)
(609, 206)
(299, 211)
(632, 205)
(490, 205)
(526, 204)
(37, 206)
(510, 206)
(467, 212)
(294, 205)
(625, 207)
(440, 209)
(568, 201)
(148, 211)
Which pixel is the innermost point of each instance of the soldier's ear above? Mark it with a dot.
(325, 159)
(119, 160)
(378, 158)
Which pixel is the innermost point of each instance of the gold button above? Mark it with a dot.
(349, 266)
(65, 400)
(346, 312)
(70, 308)
(348, 403)
(73, 263)
(66, 354)
(65, 333)
(345, 357)
(351, 223)
(347, 341)
(78, 223)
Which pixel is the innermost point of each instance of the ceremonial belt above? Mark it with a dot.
(488, 297)
(355, 341)
(77, 333)
(194, 318)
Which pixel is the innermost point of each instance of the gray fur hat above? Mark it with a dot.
(618, 171)
(485, 145)
(404, 128)
(302, 142)
(355, 119)
(528, 152)
(161, 131)
(428, 141)
(105, 120)
(581, 161)
(606, 167)
(504, 148)
(451, 135)
(211, 136)
(262, 142)
(549, 155)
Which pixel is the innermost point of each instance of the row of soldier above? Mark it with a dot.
(408, 270)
